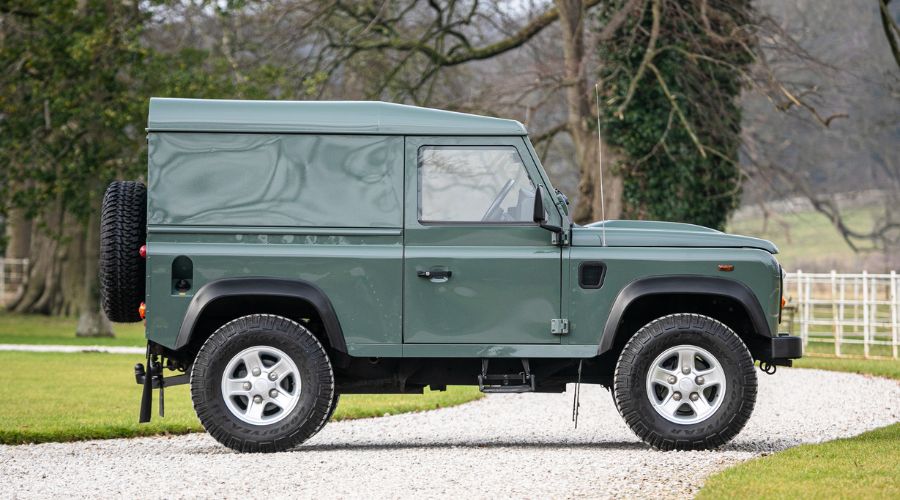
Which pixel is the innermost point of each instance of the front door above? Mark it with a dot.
(477, 269)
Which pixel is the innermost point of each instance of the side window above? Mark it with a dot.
(474, 184)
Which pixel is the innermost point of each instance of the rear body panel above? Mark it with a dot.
(359, 270)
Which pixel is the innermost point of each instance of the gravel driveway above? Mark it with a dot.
(503, 445)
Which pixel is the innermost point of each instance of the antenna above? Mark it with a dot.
(600, 164)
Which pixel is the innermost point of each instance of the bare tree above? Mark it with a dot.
(411, 44)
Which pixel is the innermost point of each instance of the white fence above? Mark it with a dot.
(844, 315)
(13, 275)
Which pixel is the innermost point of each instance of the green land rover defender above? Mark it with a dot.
(285, 253)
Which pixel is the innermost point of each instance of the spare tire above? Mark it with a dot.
(123, 229)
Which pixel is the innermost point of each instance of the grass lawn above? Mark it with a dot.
(37, 329)
(68, 397)
(889, 368)
(865, 466)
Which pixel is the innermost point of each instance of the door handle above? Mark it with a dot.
(436, 276)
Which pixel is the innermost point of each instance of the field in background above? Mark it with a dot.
(69, 397)
(807, 240)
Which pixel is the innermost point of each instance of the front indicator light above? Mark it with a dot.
(142, 310)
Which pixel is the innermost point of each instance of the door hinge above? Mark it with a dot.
(559, 239)
(559, 326)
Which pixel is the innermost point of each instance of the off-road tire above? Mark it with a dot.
(629, 382)
(316, 393)
(334, 404)
(123, 226)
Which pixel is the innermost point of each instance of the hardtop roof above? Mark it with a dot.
(329, 117)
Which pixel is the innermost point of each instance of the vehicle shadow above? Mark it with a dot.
(545, 445)
(756, 446)
(442, 445)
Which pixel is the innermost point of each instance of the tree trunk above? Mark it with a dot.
(43, 268)
(49, 290)
(580, 118)
(92, 322)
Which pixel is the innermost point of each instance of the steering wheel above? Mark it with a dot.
(498, 200)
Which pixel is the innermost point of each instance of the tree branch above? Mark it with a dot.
(649, 54)
(890, 29)
(470, 53)
(674, 102)
(549, 133)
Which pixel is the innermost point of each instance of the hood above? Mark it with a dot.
(639, 233)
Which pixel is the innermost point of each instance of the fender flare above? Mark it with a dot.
(273, 287)
(686, 284)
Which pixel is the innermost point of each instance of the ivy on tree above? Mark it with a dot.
(670, 87)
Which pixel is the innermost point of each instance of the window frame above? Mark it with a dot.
(538, 185)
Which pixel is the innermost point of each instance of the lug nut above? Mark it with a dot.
(273, 393)
(247, 386)
(700, 380)
(676, 396)
(257, 399)
(273, 376)
(694, 396)
(685, 370)
(672, 379)
(255, 372)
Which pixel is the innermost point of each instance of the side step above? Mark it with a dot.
(506, 382)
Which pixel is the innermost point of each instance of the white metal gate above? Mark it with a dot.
(845, 314)
(13, 275)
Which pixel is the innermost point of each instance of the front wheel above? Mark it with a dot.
(685, 382)
(262, 383)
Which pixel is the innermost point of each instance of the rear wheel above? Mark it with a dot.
(262, 383)
(685, 382)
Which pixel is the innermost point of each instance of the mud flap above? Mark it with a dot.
(147, 392)
(152, 378)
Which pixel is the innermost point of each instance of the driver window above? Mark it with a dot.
(474, 184)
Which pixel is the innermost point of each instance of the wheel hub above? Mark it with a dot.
(261, 385)
(674, 388)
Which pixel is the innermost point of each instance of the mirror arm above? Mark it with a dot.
(551, 227)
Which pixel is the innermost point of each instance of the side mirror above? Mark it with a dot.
(539, 215)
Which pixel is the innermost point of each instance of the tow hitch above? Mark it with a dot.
(767, 368)
(153, 378)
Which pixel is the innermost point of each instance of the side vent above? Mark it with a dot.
(591, 274)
